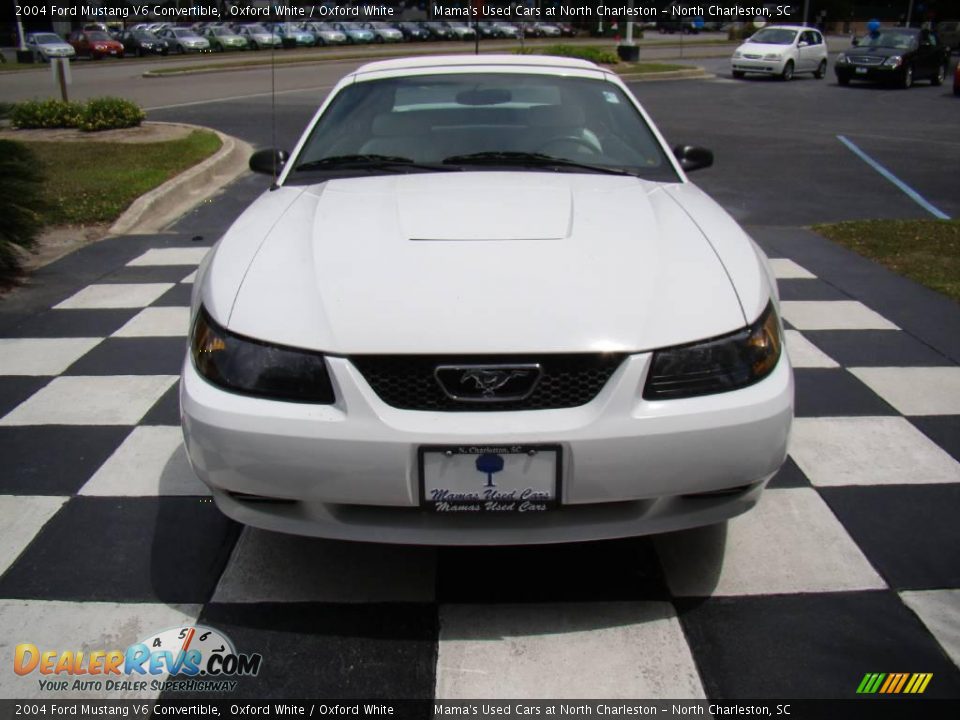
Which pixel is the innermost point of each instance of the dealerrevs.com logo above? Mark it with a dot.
(185, 659)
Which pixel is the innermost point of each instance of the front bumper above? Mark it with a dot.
(349, 470)
(766, 67)
(870, 73)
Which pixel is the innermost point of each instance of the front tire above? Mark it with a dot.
(906, 82)
(787, 73)
(938, 79)
(821, 71)
(843, 80)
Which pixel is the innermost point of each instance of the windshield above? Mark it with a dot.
(771, 36)
(890, 39)
(441, 119)
(144, 35)
(257, 29)
(97, 35)
(47, 39)
(184, 33)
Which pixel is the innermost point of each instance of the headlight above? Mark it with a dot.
(251, 367)
(719, 365)
(736, 53)
(772, 56)
(893, 61)
(841, 59)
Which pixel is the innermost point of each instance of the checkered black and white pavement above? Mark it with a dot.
(850, 564)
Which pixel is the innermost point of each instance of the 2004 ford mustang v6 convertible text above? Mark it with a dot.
(482, 304)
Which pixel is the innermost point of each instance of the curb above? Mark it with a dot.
(691, 74)
(156, 209)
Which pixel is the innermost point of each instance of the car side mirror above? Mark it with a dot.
(269, 161)
(693, 157)
(803, 43)
(855, 42)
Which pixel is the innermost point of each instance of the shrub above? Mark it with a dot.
(46, 114)
(21, 201)
(109, 113)
(105, 113)
(592, 53)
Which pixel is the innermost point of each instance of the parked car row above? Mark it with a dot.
(97, 40)
(894, 56)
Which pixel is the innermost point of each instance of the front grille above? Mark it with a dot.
(407, 382)
(751, 56)
(865, 60)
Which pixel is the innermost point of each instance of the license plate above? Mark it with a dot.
(510, 479)
(861, 71)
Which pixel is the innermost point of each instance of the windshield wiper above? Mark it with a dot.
(529, 159)
(369, 162)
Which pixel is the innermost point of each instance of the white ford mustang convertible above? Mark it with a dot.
(481, 304)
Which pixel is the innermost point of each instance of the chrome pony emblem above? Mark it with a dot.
(488, 383)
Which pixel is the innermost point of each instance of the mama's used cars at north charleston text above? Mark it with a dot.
(482, 304)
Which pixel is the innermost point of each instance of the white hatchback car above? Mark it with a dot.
(781, 50)
(482, 304)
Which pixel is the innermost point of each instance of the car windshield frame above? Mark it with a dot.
(484, 120)
(97, 35)
(47, 39)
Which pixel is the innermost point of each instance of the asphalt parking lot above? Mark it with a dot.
(850, 565)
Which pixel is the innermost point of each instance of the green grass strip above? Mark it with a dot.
(926, 251)
(94, 182)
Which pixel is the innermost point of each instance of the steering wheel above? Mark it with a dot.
(580, 142)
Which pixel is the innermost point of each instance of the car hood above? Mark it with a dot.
(482, 262)
(860, 51)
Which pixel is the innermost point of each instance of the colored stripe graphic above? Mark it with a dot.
(894, 683)
(903, 679)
